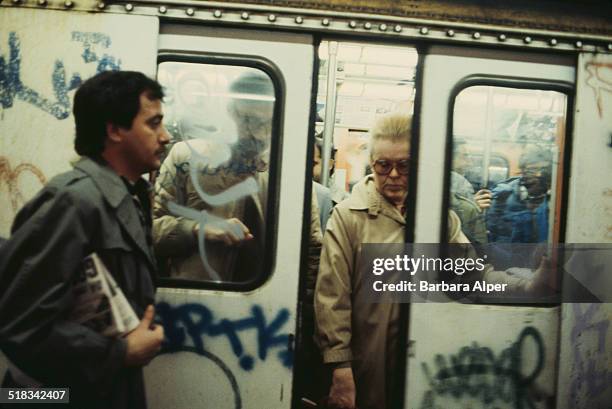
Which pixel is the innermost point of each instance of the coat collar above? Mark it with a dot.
(108, 182)
(116, 194)
(365, 197)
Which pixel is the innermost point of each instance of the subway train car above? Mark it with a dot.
(484, 83)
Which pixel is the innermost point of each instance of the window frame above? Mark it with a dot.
(275, 158)
(565, 88)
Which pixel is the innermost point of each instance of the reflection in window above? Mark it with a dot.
(211, 192)
(506, 168)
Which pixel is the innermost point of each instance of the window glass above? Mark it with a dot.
(506, 170)
(211, 192)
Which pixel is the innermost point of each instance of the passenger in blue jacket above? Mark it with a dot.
(519, 212)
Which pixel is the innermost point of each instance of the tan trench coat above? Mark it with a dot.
(364, 333)
(173, 236)
(348, 328)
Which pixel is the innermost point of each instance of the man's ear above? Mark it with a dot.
(113, 132)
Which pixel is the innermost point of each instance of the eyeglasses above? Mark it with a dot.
(385, 167)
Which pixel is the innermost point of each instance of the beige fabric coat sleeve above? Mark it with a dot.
(333, 291)
(314, 249)
(172, 236)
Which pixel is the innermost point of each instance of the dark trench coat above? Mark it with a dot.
(85, 210)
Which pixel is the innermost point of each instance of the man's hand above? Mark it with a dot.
(483, 198)
(232, 233)
(145, 341)
(342, 391)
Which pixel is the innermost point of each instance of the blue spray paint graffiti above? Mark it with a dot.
(596, 382)
(12, 86)
(90, 40)
(195, 321)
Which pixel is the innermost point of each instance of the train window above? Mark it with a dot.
(506, 171)
(211, 194)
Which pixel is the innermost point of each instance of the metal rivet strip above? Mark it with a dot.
(330, 21)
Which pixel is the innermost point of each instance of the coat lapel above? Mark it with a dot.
(366, 197)
(130, 223)
(117, 196)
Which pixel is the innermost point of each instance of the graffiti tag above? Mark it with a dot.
(13, 88)
(598, 80)
(196, 322)
(476, 372)
(11, 178)
(586, 375)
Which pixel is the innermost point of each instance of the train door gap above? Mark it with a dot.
(359, 83)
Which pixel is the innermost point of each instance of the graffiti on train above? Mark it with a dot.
(13, 87)
(476, 372)
(591, 377)
(193, 323)
(10, 177)
(598, 75)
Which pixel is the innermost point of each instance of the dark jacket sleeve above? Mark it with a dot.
(495, 223)
(51, 235)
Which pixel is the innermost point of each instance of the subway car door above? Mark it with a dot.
(479, 120)
(228, 216)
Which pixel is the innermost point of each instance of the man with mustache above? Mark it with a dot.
(101, 206)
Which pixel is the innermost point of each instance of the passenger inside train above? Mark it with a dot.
(210, 201)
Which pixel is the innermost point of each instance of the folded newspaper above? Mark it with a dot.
(99, 302)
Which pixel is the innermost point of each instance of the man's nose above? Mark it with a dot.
(165, 136)
(394, 173)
